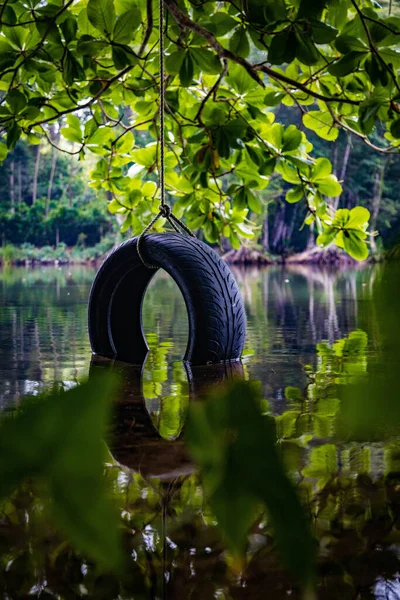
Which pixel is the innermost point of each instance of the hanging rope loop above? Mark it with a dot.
(165, 210)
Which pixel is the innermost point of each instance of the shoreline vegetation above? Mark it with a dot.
(30, 255)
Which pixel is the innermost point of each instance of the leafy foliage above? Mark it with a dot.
(235, 445)
(370, 406)
(90, 69)
(49, 438)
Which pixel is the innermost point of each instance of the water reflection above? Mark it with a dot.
(43, 316)
(146, 433)
(308, 332)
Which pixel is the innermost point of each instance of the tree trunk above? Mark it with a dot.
(12, 188)
(290, 228)
(70, 179)
(57, 237)
(335, 159)
(265, 234)
(19, 174)
(311, 237)
(342, 174)
(36, 175)
(376, 200)
(50, 187)
(279, 225)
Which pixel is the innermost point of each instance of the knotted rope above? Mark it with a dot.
(165, 210)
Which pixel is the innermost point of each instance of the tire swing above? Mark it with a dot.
(217, 321)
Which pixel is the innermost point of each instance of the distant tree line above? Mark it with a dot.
(45, 199)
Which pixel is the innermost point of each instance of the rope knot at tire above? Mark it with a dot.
(165, 210)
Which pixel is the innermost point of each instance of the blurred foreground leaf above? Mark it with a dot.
(236, 447)
(58, 437)
(371, 407)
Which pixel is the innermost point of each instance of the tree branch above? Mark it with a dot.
(107, 84)
(251, 69)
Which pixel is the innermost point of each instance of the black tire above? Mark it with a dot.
(217, 322)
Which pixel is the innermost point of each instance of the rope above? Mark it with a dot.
(164, 209)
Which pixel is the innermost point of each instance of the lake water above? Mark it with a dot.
(307, 329)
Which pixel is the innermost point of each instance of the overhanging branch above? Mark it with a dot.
(251, 69)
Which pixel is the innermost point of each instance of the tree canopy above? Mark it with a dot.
(89, 70)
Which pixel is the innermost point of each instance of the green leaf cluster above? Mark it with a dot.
(235, 446)
(48, 438)
(90, 70)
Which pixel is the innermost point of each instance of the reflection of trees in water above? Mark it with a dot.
(323, 300)
(43, 324)
(171, 542)
(290, 310)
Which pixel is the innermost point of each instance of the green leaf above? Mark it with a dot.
(273, 98)
(348, 43)
(244, 231)
(254, 202)
(293, 394)
(355, 245)
(60, 448)
(115, 207)
(16, 101)
(322, 169)
(221, 23)
(329, 186)
(186, 71)
(395, 128)
(239, 79)
(235, 447)
(311, 9)
(347, 64)
(121, 57)
(89, 46)
(125, 143)
(71, 135)
(127, 223)
(69, 27)
(50, 31)
(368, 113)
(72, 70)
(291, 139)
(306, 51)
(327, 237)
(126, 25)
(135, 196)
(101, 14)
(100, 137)
(173, 62)
(13, 135)
(207, 61)
(282, 48)
(239, 43)
(8, 15)
(358, 217)
(149, 189)
(8, 55)
(322, 124)
(145, 156)
(211, 232)
(295, 194)
(322, 32)
(3, 151)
